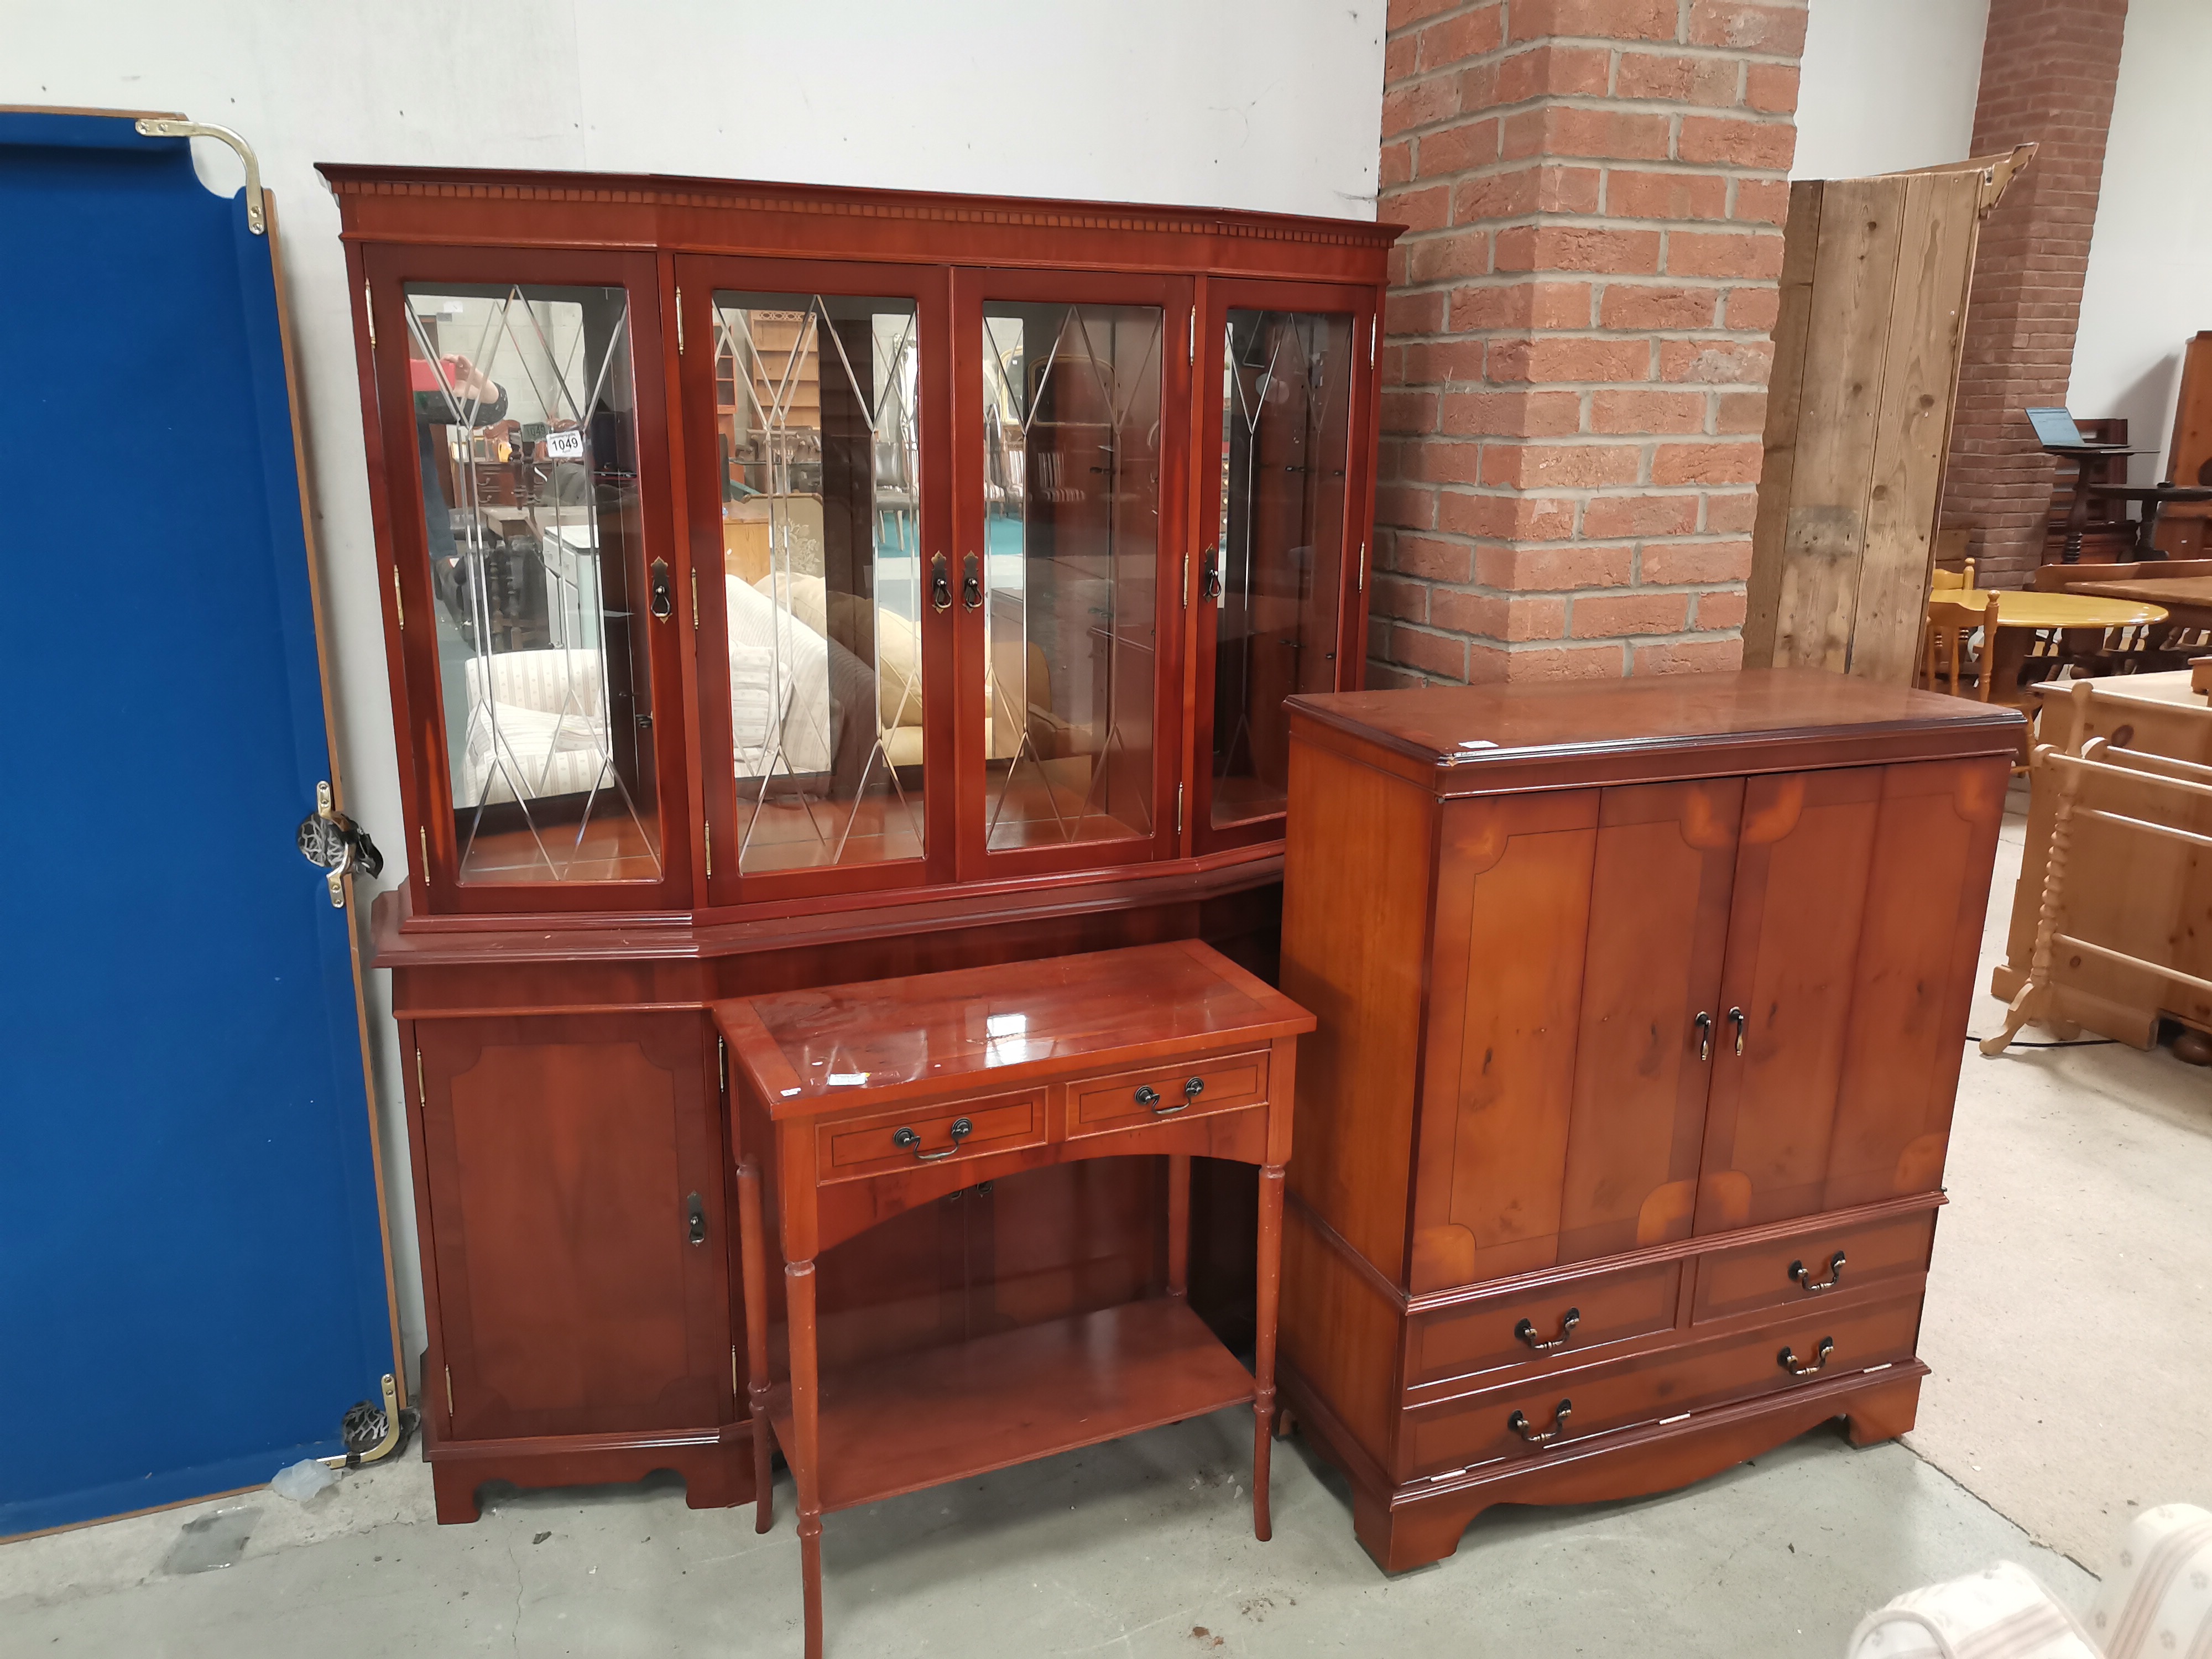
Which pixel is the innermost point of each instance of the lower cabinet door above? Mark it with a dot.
(575, 1225)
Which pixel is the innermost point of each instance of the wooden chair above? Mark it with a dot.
(1941, 580)
(1951, 625)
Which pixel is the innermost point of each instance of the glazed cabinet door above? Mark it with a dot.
(815, 398)
(1577, 935)
(1851, 958)
(1283, 389)
(573, 1174)
(1071, 422)
(532, 588)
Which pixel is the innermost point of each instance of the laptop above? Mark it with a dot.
(2054, 429)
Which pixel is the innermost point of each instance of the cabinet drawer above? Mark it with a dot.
(1480, 1336)
(869, 1146)
(1479, 1428)
(1112, 1103)
(1801, 1268)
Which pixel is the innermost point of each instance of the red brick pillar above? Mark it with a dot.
(1577, 343)
(2048, 71)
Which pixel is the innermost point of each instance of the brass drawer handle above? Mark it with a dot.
(1790, 1362)
(1519, 1425)
(906, 1138)
(1704, 1024)
(1525, 1330)
(1803, 1275)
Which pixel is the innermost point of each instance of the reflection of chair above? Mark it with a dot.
(536, 718)
(1951, 626)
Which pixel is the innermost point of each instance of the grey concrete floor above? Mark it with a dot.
(2069, 1325)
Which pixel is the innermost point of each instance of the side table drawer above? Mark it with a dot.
(1486, 1335)
(1480, 1428)
(1799, 1268)
(1119, 1102)
(858, 1147)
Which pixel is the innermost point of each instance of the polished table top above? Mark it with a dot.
(2153, 590)
(2026, 608)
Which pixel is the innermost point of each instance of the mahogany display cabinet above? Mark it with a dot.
(786, 587)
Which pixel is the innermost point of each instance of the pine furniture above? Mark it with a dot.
(1621, 1135)
(857, 1102)
(790, 587)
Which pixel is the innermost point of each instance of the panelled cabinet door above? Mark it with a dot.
(534, 598)
(574, 1181)
(1919, 946)
(1282, 389)
(1851, 963)
(1785, 997)
(1578, 935)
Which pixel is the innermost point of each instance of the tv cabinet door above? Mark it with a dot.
(576, 1294)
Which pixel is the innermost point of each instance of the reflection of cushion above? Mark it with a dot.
(778, 671)
(843, 617)
(552, 730)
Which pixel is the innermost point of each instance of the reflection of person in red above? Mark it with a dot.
(450, 392)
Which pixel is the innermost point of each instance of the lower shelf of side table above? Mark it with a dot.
(919, 1419)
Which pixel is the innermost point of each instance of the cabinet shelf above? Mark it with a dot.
(913, 1420)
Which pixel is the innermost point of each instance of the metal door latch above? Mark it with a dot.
(331, 841)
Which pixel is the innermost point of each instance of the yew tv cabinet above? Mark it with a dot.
(1622, 1136)
(787, 586)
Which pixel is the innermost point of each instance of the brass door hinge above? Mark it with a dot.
(722, 1060)
(398, 603)
(1360, 578)
(1178, 810)
(1374, 333)
(448, 1369)
(709, 829)
(734, 1389)
(695, 599)
(1190, 352)
(1186, 578)
(422, 1091)
(680, 322)
(368, 310)
(423, 831)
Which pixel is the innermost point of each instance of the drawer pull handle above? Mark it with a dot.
(1193, 1088)
(1790, 1362)
(1535, 1437)
(1704, 1024)
(1525, 1330)
(961, 1128)
(1803, 1275)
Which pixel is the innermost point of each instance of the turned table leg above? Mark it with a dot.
(1178, 1223)
(753, 1256)
(804, 1454)
(1270, 1266)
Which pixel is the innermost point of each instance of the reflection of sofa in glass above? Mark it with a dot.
(536, 718)
(791, 662)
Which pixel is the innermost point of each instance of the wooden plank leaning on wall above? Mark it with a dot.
(1874, 281)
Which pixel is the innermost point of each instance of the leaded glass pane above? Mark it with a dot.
(1072, 511)
(820, 461)
(527, 448)
(1286, 427)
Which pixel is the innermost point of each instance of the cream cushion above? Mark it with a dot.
(536, 718)
(2002, 1612)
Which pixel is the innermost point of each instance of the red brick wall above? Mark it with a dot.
(2048, 71)
(1577, 345)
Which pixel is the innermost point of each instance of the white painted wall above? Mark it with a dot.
(1888, 85)
(2149, 286)
(1263, 104)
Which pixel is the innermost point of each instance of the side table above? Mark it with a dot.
(855, 1102)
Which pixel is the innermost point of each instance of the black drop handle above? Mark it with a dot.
(1209, 579)
(664, 602)
(697, 1210)
(971, 583)
(940, 590)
